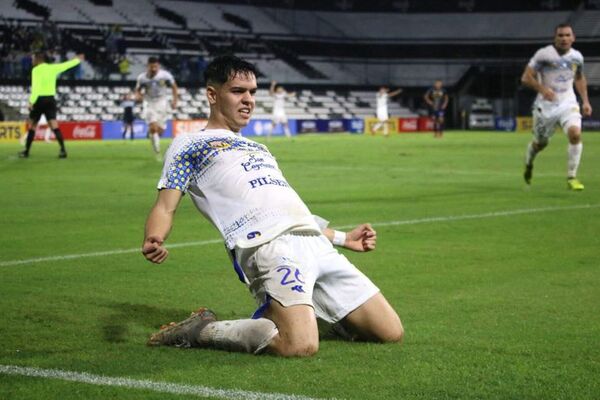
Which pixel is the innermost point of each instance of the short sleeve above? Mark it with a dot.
(179, 168)
(536, 60)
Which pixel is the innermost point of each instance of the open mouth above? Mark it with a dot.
(246, 112)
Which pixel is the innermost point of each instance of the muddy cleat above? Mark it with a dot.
(528, 173)
(24, 154)
(184, 333)
(574, 184)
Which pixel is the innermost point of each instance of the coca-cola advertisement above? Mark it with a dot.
(82, 130)
(408, 124)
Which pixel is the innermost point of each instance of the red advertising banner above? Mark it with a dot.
(188, 126)
(408, 124)
(81, 130)
(425, 124)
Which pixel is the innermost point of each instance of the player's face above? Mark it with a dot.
(437, 85)
(234, 100)
(564, 38)
(152, 69)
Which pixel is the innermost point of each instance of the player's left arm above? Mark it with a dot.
(446, 99)
(175, 93)
(362, 238)
(581, 86)
(395, 92)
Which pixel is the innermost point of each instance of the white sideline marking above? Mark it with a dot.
(478, 216)
(375, 224)
(162, 387)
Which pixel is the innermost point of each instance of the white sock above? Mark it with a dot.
(286, 129)
(242, 335)
(530, 154)
(155, 142)
(47, 135)
(376, 127)
(575, 151)
(385, 128)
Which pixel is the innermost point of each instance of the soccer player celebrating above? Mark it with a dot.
(437, 99)
(279, 95)
(557, 65)
(42, 101)
(282, 252)
(382, 108)
(151, 88)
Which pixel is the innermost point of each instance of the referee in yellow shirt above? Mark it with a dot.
(42, 101)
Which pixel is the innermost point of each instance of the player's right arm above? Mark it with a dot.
(137, 92)
(272, 88)
(427, 98)
(158, 225)
(529, 79)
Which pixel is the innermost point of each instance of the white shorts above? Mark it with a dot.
(304, 268)
(279, 118)
(382, 115)
(157, 112)
(547, 115)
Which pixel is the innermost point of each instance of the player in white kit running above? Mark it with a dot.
(152, 87)
(551, 72)
(280, 250)
(279, 115)
(382, 108)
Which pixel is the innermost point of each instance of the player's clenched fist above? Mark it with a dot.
(154, 251)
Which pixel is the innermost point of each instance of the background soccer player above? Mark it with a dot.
(437, 99)
(152, 87)
(42, 101)
(128, 104)
(557, 65)
(279, 94)
(382, 108)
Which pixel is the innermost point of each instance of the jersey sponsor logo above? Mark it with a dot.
(267, 180)
(255, 163)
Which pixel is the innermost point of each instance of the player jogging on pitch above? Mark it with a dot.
(42, 101)
(557, 66)
(437, 99)
(382, 108)
(152, 89)
(275, 244)
(279, 94)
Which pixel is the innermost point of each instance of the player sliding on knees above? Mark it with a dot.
(280, 250)
(558, 66)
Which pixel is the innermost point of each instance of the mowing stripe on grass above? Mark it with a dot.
(447, 218)
(162, 387)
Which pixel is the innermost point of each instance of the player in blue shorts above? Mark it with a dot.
(437, 99)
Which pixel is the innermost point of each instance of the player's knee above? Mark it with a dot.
(574, 137)
(298, 348)
(393, 334)
(540, 144)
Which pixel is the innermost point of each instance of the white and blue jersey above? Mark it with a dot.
(557, 72)
(236, 184)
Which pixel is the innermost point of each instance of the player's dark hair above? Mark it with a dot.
(563, 25)
(223, 68)
(152, 60)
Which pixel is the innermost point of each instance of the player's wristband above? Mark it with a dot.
(339, 238)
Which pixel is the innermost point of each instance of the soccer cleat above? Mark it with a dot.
(574, 184)
(24, 154)
(62, 154)
(185, 333)
(528, 173)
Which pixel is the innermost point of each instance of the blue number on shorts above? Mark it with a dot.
(286, 280)
(288, 271)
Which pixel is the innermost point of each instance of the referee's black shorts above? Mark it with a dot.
(43, 105)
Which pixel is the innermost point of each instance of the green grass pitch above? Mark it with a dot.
(502, 306)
